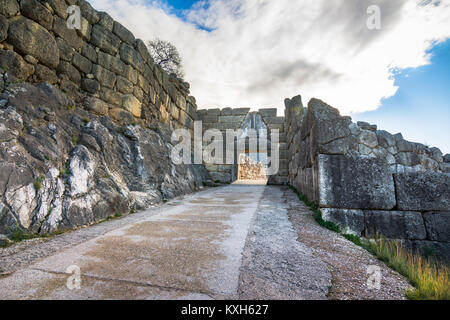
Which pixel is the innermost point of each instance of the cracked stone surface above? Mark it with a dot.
(275, 264)
(243, 241)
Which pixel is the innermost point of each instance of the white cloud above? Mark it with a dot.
(262, 51)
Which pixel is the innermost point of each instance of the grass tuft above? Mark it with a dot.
(355, 239)
(18, 234)
(429, 277)
(38, 182)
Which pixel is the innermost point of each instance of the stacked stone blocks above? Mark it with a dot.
(369, 181)
(100, 64)
(232, 119)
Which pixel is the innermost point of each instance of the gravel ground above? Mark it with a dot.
(275, 265)
(347, 262)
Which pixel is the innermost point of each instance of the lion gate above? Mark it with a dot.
(248, 163)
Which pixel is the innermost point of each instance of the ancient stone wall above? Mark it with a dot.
(369, 181)
(101, 64)
(85, 121)
(241, 118)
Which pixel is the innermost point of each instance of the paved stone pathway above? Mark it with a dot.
(233, 242)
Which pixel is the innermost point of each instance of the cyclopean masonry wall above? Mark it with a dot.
(368, 181)
(101, 64)
(242, 118)
(85, 121)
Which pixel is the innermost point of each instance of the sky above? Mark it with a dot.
(255, 53)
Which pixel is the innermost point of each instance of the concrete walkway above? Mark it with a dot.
(191, 249)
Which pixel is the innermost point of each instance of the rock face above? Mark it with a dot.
(63, 167)
(372, 189)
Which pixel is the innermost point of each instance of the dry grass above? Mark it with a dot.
(429, 277)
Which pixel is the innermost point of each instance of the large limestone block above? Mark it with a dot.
(104, 39)
(33, 9)
(368, 138)
(88, 12)
(60, 8)
(130, 73)
(90, 85)
(121, 115)
(111, 63)
(385, 139)
(131, 104)
(45, 74)
(355, 183)
(97, 105)
(274, 120)
(272, 112)
(111, 96)
(3, 27)
(325, 122)
(106, 21)
(240, 111)
(123, 33)
(395, 225)
(9, 8)
(123, 85)
(131, 57)
(105, 77)
(68, 69)
(439, 250)
(89, 52)
(28, 37)
(81, 63)
(70, 35)
(231, 119)
(423, 191)
(437, 225)
(65, 50)
(338, 146)
(143, 51)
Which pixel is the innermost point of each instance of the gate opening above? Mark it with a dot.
(252, 167)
